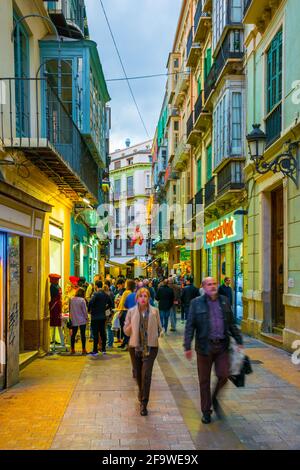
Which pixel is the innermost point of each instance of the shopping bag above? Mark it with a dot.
(236, 358)
(115, 326)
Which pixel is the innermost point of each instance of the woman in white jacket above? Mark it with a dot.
(144, 328)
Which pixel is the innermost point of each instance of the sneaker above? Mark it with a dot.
(104, 353)
(95, 354)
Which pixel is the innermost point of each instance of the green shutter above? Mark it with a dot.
(199, 175)
(208, 163)
(274, 72)
(208, 59)
(199, 85)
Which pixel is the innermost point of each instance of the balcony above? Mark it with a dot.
(210, 189)
(172, 114)
(259, 12)
(171, 174)
(182, 85)
(48, 137)
(181, 154)
(207, 6)
(228, 61)
(231, 178)
(193, 135)
(192, 51)
(197, 202)
(68, 17)
(202, 23)
(274, 125)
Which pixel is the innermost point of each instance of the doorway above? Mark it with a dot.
(2, 310)
(221, 264)
(277, 260)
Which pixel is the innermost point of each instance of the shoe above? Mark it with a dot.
(171, 329)
(121, 346)
(72, 351)
(206, 419)
(104, 353)
(95, 354)
(84, 352)
(144, 411)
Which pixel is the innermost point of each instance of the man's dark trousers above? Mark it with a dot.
(98, 326)
(220, 357)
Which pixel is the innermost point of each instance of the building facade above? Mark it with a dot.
(52, 157)
(130, 174)
(272, 294)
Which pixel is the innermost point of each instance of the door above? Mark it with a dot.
(277, 259)
(238, 281)
(221, 263)
(13, 310)
(2, 310)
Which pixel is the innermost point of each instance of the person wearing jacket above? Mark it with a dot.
(79, 317)
(130, 286)
(189, 292)
(97, 306)
(165, 297)
(143, 326)
(211, 320)
(226, 290)
(177, 296)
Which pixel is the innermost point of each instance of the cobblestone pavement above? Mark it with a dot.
(86, 403)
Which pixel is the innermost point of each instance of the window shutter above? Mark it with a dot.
(274, 72)
(199, 174)
(209, 163)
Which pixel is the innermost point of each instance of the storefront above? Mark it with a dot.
(184, 267)
(223, 245)
(21, 230)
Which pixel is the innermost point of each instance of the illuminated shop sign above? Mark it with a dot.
(226, 230)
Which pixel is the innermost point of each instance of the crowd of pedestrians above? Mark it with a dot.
(131, 315)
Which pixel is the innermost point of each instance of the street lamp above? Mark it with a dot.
(286, 162)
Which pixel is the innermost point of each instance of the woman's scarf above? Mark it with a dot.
(144, 320)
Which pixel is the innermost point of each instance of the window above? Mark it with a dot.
(236, 124)
(219, 20)
(117, 188)
(148, 182)
(176, 125)
(208, 163)
(129, 248)
(117, 217)
(130, 214)
(61, 81)
(21, 60)
(117, 165)
(274, 72)
(228, 124)
(220, 130)
(236, 11)
(130, 161)
(117, 246)
(176, 63)
(130, 186)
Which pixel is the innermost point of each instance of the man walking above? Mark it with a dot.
(189, 292)
(165, 297)
(177, 295)
(226, 290)
(211, 318)
(97, 306)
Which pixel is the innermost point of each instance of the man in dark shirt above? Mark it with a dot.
(211, 320)
(189, 292)
(226, 290)
(97, 306)
(165, 297)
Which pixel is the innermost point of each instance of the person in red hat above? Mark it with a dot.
(55, 307)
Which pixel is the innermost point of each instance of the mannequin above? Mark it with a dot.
(55, 307)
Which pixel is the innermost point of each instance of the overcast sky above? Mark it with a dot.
(144, 31)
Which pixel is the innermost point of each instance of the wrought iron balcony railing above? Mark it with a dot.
(210, 191)
(190, 124)
(198, 106)
(274, 125)
(231, 177)
(46, 134)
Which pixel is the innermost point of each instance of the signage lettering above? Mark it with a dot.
(224, 230)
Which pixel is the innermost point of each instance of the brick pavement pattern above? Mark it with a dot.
(91, 403)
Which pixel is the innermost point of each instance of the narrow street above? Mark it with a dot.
(75, 402)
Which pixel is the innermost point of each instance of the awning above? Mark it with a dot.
(120, 261)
